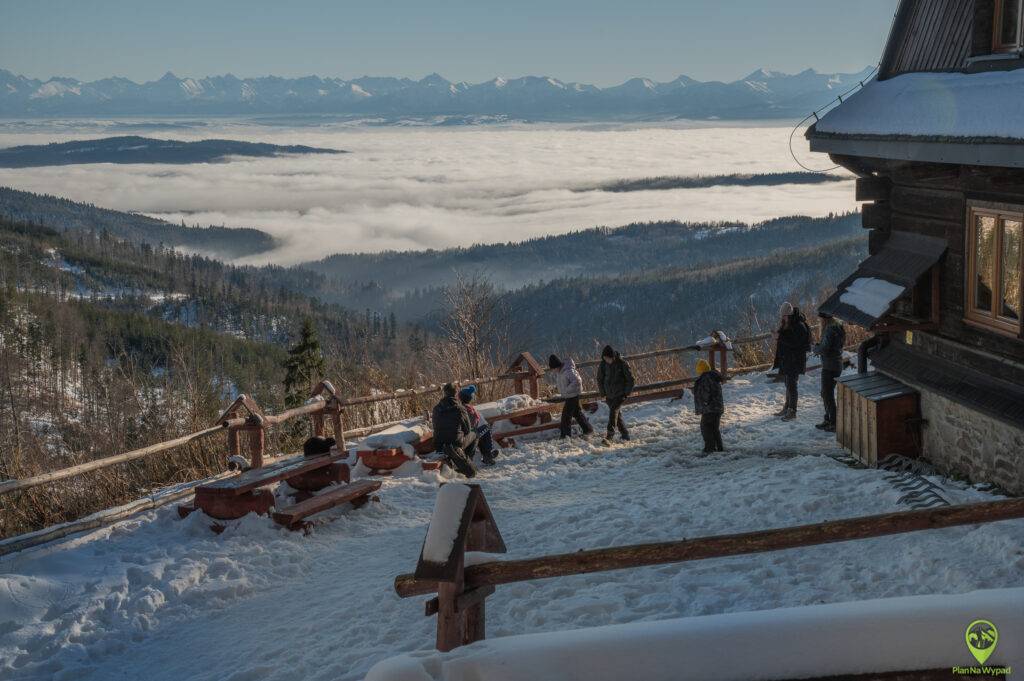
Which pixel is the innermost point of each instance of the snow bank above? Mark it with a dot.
(404, 433)
(515, 403)
(934, 105)
(444, 525)
(871, 296)
(897, 634)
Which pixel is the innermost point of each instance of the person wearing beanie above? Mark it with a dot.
(830, 349)
(793, 342)
(614, 383)
(454, 436)
(483, 429)
(569, 384)
(709, 404)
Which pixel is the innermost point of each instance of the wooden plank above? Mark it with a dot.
(275, 472)
(640, 555)
(43, 478)
(321, 502)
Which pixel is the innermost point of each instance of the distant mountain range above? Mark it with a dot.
(134, 149)
(762, 94)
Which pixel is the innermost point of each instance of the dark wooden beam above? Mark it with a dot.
(873, 188)
(876, 216)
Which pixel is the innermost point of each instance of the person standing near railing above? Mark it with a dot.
(709, 404)
(614, 383)
(793, 343)
(569, 385)
(830, 349)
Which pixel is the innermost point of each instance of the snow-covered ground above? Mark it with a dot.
(156, 597)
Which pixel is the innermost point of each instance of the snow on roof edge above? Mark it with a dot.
(976, 107)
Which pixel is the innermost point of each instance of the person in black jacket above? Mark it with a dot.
(794, 342)
(830, 349)
(454, 436)
(614, 383)
(708, 402)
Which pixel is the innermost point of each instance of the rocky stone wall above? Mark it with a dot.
(965, 443)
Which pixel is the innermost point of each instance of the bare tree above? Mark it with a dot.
(475, 326)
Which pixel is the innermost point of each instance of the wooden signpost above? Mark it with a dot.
(460, 612)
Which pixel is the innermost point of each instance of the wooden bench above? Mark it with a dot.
(234, 497)
(357, 493)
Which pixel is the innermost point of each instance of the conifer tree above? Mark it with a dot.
(304, 366)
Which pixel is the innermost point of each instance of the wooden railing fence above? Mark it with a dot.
(244, 421)
(462, 590)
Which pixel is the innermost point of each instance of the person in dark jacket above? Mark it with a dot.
(708, 402)
(480, 426)
(830, 349)
(569, 383)
(794, 342)
(614, 383)
(454, 436)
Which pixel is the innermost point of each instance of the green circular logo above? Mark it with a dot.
(982, 638)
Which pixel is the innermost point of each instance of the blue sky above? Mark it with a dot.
(594, 41)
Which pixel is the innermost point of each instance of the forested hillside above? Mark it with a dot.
(64, 215)
(597, 252)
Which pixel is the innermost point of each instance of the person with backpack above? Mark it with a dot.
(614, 384)
(480, 426)
(454, 436)
(794, 342)
(830, 349)
(709, 404)
(569, 385)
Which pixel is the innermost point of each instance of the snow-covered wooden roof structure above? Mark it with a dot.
(969, 118)
(946, 92)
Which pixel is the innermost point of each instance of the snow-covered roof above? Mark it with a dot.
(974, 118)
(868, 294)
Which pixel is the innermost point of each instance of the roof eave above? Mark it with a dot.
(1003, 154)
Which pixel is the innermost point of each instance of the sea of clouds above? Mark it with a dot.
(419, 187)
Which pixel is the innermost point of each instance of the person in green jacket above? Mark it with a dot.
(614, 383)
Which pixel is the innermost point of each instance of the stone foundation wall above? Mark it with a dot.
(962, 442)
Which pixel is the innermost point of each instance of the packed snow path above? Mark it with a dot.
(158, 598)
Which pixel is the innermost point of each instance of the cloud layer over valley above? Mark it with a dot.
(432, 187)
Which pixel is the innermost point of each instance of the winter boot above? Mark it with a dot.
(830, 428)
(790, 415)
(822, 426)
(457, 458)
(782, 412)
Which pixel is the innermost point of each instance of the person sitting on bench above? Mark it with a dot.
(480, 425)
(454, 436)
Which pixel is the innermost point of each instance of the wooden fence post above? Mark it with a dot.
(460, 613)
(245, 407)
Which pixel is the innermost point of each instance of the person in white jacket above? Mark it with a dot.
(569, 383)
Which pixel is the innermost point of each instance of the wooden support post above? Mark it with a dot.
(258, 445)
(234, 446)
(936, 288)
(461, 613)
(450, 630)
(338, 423)
(318, 425)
